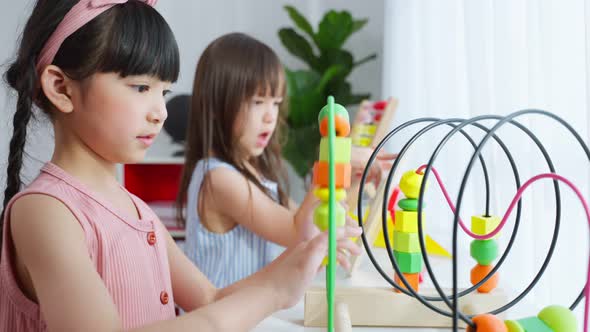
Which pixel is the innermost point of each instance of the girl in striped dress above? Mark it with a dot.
(232, 199)
(78, 252)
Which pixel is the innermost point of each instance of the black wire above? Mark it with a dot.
(369, 252)
(426, 260)
(490, 133)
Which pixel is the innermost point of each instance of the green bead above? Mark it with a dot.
(409, 204)
(408, 262)
(484, 251)
(513, 326)
(559, 318)
(534, 324)
(338, 110)
(406, 242)
(342, 148)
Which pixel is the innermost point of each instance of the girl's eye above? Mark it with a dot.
(258, 102)
(166, 92)
(141, 88)
(278, 103)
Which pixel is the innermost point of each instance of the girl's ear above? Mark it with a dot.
(57, 87)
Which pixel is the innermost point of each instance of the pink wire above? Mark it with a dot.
(452, 206)
(515, 200)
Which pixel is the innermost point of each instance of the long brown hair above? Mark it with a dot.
(232, 70)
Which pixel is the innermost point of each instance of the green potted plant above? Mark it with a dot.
(329, 65)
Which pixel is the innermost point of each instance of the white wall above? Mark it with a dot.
(195, 24)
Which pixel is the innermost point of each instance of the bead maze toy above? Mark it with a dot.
(331, 176)
(480, 307)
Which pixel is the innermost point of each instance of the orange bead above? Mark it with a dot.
(341, 176)
(479, 272)
(341, 125)
(412, 278)
(487, 323)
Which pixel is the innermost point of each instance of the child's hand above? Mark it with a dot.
(306, 228)
(292, 272)
(360, 157)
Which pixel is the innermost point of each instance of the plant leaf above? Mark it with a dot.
(334, 30)
(301, 148)
(365, 59)
(298, 46)
(300, 21)
(340, 57)
(305, 101)
(329, 74)
(359, 24)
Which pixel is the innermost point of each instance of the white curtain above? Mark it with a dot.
(462, 59)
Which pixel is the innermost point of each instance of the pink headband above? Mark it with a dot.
(83, 12)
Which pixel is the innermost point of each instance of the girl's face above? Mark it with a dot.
(118, 118)
(256, 123)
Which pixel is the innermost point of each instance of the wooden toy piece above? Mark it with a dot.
(324, 193)
(406, 242)
(342, 318)
(371, 225)
(407, 221)
(534, 324)
(408, 262)
(383, 122)
(408, 204)
(320, 216)
(483, 225)
(412, 278)
(320, 174)
(559, 318)
(410, 184)
(513, 326)
(342, 146)
(487, 323)
(479, 272)
(380, 240)
(434, 248)
(484, 251)
(380, 306)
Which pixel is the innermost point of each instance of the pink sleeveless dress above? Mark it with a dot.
(128, 253)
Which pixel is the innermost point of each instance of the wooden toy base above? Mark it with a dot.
(369, 306)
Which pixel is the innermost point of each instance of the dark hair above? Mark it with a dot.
(128, 39)
(231, 70)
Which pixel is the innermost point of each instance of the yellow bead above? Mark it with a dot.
(324, 194)
(481, 225)
(410, 184)
(407, 221)
(321, 213)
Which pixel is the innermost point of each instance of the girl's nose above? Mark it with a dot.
(269, 115)
(158, 115)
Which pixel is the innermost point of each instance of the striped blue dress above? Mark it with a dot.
(228, 257)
